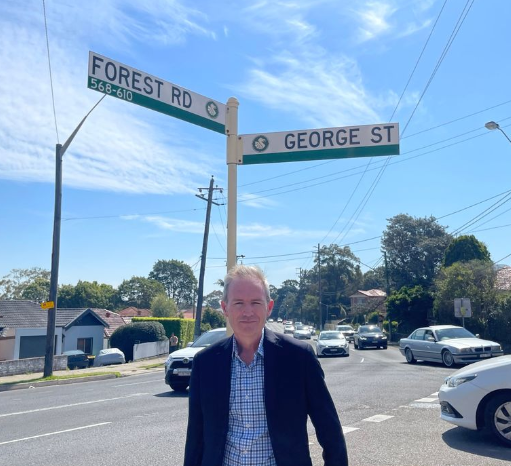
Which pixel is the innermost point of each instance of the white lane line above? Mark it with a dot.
(427, 400)
(347, 430)
(54, 433)
(362, 360)
(378, 418)
(72, 404)
(135, 383)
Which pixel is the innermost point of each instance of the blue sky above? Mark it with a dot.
(131, 174)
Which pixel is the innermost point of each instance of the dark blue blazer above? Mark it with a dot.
(294, 388)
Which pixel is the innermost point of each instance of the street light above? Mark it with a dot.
(55, 254)
(491, 125)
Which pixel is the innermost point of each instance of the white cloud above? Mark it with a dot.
(253, 200)
(323, 91)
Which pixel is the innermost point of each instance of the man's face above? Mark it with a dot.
(246, 307)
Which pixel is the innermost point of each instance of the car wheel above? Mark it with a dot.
(355, 344)
(409, 356)
(498, 417)
(384, 347)
(447, 358)
(179, 387)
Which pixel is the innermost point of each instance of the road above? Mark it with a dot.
(389, 411)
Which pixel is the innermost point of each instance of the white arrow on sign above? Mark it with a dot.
(126, 83)
(318, 144)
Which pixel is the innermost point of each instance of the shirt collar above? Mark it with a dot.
(260, 348)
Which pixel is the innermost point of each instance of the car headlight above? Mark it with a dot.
(453, 382)
(496, 348)
(465, 350)
(363, 338)
(383, 337)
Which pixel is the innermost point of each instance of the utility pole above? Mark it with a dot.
(200, 292)
(320, 294)
(55, 254)
(387, 289)
(299, 292)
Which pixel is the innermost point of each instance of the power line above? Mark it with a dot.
(51, 77)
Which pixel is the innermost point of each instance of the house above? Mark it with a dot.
(503, 281)
(368, 301)
(113, 320)
(23, 330)
(130, 312)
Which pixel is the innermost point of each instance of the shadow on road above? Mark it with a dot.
(172, 394)
(481, 443)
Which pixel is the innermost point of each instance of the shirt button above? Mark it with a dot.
(244, 452)
(246, 397)
(247, 426)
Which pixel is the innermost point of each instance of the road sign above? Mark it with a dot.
(126, 83)
(320, 144)
(462, 307)
(48, 305)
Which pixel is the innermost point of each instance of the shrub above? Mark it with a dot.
(137, 332)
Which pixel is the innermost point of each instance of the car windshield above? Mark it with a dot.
(369, 329)
(208, 338)
(344, 328)
(330, 336)
(450, 333)
(300, 327)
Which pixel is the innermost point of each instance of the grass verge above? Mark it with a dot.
(62, 377)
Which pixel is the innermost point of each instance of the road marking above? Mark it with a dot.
(378, 418)
(135, 383)
(54, 433)
(362, 360)
(72, 404)
(429, 399)
(347, 430)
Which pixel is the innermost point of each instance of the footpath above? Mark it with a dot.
(142, 366)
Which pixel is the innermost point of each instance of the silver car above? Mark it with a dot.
(447, 344)
(109, 356)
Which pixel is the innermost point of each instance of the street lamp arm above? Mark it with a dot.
(73, 134)
(503, 132)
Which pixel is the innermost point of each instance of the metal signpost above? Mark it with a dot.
(321, 144)
(462, 308)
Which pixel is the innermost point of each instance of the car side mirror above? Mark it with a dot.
(478, 336)
(190, 343)
(431, 339)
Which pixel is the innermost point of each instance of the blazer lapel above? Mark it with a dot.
(271, 373)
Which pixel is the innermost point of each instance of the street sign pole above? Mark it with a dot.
(231, 129)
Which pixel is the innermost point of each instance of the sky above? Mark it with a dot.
(131, 175)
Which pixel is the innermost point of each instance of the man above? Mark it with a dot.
(237, 386)
(173, 341)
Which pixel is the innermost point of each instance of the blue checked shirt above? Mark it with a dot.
(248, 441)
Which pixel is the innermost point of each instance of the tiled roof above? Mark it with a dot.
(504, 279)
(28, 314)
(113, 320)
(371, 293)
(135, 312)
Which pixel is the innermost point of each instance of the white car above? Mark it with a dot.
(289, 328)
(332, 343)
(178, 366)
(109, 356)
(302, 332)
(479, 396)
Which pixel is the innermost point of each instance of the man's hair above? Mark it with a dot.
(246, 272)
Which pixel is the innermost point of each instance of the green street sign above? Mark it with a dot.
(126, 83)
(321, 144)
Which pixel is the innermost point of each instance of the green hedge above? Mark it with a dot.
(128, 335)
(182, 328)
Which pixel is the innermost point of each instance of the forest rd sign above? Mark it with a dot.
(321, 144)
(126, 83)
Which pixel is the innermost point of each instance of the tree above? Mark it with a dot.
(213, 299)
(474, 280)
(178, 280)
(162, 306)
(465, 248)
(37, 291)
(415, 249)
(16, 281)
(126, 336)
(374, 279)
(213, 318)
(410, 307)
(87, 294)
(139, 291)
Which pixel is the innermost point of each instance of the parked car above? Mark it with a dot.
(347, 330)
(369, 335)
(332, 343)
(302, 332)
(279, 320)
(289, 328)
(478, 396)
(109, 356)
(178, 366)
(447, 344)
(76, 359)
(270, 320)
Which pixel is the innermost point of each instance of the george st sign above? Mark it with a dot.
(320, 144)
(126, 83)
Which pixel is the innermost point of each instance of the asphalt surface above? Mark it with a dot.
(15, 382)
